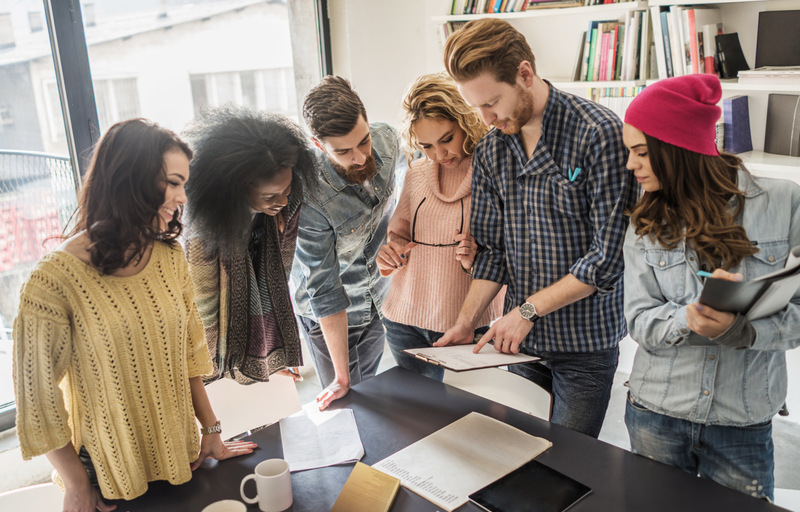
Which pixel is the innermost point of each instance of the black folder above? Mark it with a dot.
(533, 487)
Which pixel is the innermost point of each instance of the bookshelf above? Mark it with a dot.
(561, 28)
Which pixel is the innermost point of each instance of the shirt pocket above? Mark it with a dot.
(771, 256)
(567, 197)
(669, 268)
(351, 235)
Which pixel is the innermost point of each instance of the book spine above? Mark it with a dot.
(695, 56)
(592, 46)
(667, 45)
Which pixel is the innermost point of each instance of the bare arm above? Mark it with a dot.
(511, 329)
(335, 331)
(211, 445)
(79, 495)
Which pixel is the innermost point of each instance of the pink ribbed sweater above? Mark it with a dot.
(428, 291)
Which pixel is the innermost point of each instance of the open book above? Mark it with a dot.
(460, 358)
(758, 298)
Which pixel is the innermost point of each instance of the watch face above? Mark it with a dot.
(527, 311)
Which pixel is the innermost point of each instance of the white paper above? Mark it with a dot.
(462, 458)
(315, 439)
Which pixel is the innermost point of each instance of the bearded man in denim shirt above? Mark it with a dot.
(549, 194)
(338, 288)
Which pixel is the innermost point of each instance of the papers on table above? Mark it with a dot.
(461, 458)
(459, 358)
(315, 439)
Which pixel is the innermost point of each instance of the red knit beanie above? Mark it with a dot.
(681, 111)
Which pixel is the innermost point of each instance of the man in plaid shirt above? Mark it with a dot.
(550, 191)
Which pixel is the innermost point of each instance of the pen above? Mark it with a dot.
(703, 273)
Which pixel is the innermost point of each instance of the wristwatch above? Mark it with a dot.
(216, 428)
(528, 311)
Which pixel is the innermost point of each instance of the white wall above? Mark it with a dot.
(381, 46)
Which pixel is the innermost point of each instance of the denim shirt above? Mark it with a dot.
(342, 227)
(712, 384)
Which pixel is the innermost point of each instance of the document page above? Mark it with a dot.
(460, 357)
(316, 439)
(461, 458)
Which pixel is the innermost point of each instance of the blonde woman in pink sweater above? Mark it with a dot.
(429, 251)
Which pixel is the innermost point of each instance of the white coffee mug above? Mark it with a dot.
(226, 506)
(274, 486)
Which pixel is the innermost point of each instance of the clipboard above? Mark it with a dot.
(459, 358)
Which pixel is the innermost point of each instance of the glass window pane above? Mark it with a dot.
(37, 188)
(167, 61)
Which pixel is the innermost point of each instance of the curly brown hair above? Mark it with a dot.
(436, 96)
(123, 191)
(694, 204)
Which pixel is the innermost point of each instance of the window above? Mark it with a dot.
(267, 89)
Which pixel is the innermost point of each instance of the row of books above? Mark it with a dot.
(615, 49)
(685, 39)
(615, 98)
(460, 7)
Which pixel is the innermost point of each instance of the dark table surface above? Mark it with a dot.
(398, 407)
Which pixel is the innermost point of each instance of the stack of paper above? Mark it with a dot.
(461, 458)
(316, 439)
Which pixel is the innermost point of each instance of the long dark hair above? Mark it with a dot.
(236, 149)
(123, 191)
(694, 204)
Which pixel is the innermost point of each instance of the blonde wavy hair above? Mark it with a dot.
(436, 96)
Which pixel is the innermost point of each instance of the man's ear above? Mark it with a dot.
(525, 73)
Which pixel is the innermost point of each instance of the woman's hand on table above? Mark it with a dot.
(84, 498)
(393, 256)
(212, 445)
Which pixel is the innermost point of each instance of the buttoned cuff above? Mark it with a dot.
(330, 303)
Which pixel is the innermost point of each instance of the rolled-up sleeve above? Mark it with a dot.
(611, 190)
(486, 224)
(317, 260)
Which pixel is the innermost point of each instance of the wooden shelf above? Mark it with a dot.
(772, 166)
(537, 13)
(695, 2)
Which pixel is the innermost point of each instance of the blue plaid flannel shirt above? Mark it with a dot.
(542, 218)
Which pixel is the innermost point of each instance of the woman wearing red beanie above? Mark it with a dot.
(705, 384)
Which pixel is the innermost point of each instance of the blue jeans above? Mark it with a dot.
(402, 336)
(580, 383)
(741, 458)
(365, 344)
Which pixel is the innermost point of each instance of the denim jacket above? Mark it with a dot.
(712, 384)
(341, 230)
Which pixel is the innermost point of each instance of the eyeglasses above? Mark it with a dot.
(414, 227)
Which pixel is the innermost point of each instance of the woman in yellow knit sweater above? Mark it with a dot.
(429, 252)
(109, 351)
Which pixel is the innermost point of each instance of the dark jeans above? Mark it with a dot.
(741, 458)
(402, 336)
(365, 344)
(580, 383)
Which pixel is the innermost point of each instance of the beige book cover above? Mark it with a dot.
(367, 490)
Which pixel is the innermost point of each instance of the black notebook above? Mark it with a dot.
(533, 487)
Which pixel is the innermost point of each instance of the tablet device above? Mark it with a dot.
(533, 487)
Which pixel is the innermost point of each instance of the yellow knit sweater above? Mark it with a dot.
(105, 361)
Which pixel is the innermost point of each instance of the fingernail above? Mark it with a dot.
(403, 256)
(738, 277)
(700, 307)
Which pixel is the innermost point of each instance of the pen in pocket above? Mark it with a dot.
(703, 273)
